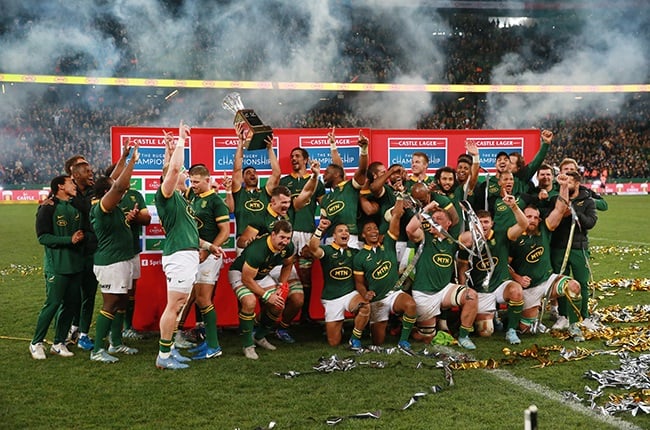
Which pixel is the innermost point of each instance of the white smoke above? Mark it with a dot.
(608, 49)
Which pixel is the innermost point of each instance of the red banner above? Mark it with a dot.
(216, 147)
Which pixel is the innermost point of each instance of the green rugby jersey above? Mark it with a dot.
(55, 225)
(126, 205)
(504, 217)
(114, 236)
(303, 220)
(337, 271)
(531, 255)
(341, 206)
(435, 268)
(177, 219)
(209, 211)
(249, 204)
(378, 266)
(412, 180)
(265, 221)
(498, 243)
(261, 255)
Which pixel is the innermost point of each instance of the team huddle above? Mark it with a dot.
(392, 247)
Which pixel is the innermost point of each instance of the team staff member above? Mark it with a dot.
(250, 279)
(83, 177)
(339, 294)
(113, 266)
(213, 222)
(59, 230)
(432, 287)
(180, 258)
(577, 259)
(375, 276)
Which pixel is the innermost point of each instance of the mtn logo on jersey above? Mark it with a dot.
(442, 260)
(335, 207)
(382, 271)
(254, 205)
(534, 255)
(341, 273)
(61, 222)
(501, 208)
(484, 264)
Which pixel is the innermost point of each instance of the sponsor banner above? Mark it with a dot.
(630, 188)
(401, 149)
(151, 151)
(224, 156)
(24, 196)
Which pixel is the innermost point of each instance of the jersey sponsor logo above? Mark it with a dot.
(61, 222)
(534, 255)
(382, 271)
(442, 260)
(341, 273)
(254, 205)
(501, 208)
(484, 264)
(335, 207)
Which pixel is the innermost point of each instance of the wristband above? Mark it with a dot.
(364, 150)
(228, 192)
(180, 141)
(333, 145)
(266, 295)
(476, 158)
(318, 233)
(206, 245)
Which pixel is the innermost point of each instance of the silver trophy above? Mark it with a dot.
(254, 129)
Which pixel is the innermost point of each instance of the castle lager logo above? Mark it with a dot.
(382, 271)
(534, 255)
(341, 273)
(254, 205)
(442, 260)
(484, 264)
(335, 208)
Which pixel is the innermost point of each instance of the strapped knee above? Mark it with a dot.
(485, 328)
(426, 330)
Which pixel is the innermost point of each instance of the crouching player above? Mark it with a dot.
(500, 287)
(339, 293)
(250, 278)
(531, 265)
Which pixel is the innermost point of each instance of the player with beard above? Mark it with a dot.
(501, 288)
(245, 199)
(303, 221)
(531, 267)
(433, 289)
(83, 177)
(250, 278)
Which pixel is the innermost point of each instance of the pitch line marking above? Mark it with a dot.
(549, 394)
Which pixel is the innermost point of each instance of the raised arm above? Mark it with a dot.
(126, 150)
(522, 222)
(112, 198)
(175, 161)
(472, 150)
(274, 179)
(314, 241)
(238, 162)
(561, 204)
(334, 152)
(360, 173)
(531, 168)
(303, 199)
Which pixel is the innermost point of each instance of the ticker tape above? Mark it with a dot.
(321, 86)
